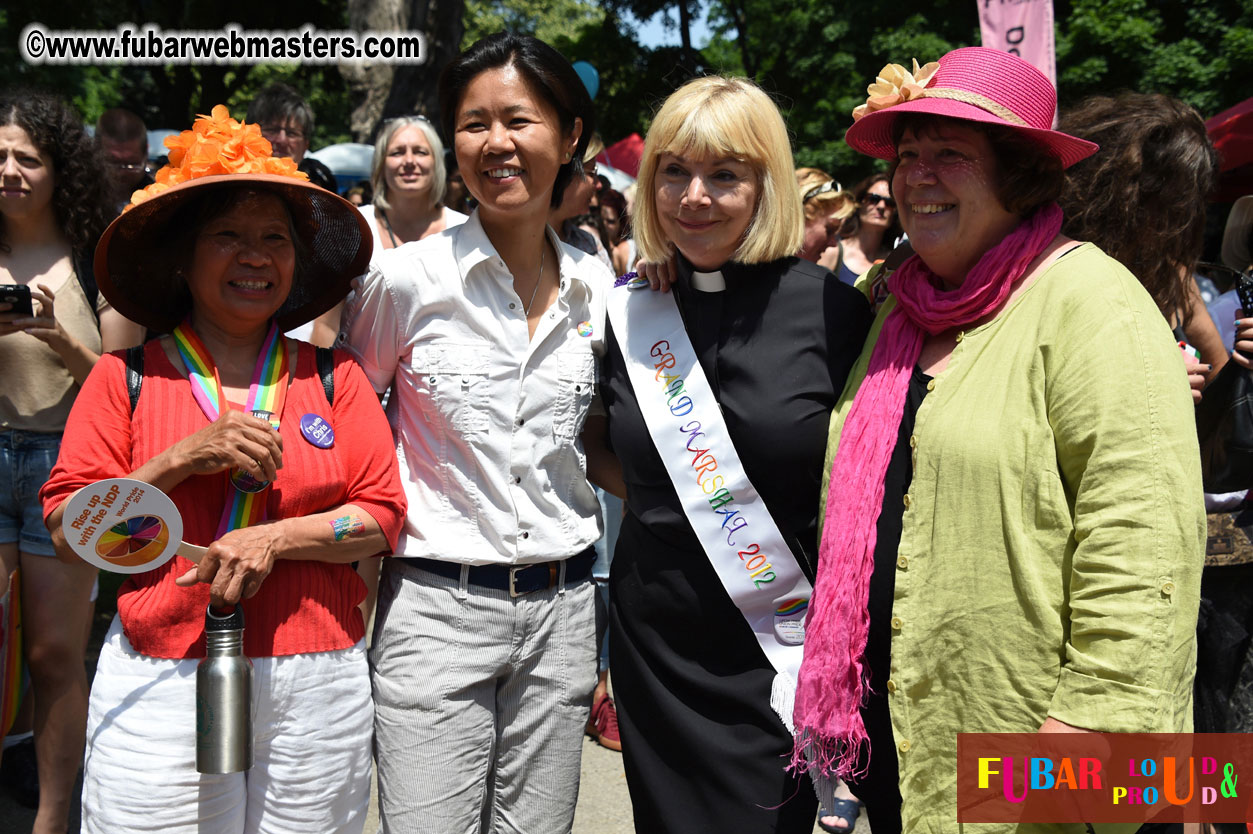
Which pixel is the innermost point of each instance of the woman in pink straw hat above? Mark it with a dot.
(1004, 548)
(279, 461)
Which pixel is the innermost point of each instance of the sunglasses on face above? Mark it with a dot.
(872, 200)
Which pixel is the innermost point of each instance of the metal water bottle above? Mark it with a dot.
(224, 696)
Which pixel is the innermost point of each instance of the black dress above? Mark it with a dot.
(879, 787)
(703, 750)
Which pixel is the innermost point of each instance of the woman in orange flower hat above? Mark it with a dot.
(279, 460)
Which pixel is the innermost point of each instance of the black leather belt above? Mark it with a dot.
(516, 579)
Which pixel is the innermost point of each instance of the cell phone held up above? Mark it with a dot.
(18, 296)
(1244, 291)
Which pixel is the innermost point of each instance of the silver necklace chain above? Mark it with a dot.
(526, 310)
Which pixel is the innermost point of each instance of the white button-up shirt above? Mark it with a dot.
(486, 420)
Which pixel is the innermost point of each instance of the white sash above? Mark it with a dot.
(749, 554)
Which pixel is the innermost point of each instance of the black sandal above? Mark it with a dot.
(848, 809)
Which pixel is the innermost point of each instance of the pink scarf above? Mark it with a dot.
(833, 678)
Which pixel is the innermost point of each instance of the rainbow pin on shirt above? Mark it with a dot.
(789, 621)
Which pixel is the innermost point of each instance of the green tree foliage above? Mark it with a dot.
(677, 14)
(548, 20)
(633, 78)
(1197, 51)
(818, 57)
(171, 96)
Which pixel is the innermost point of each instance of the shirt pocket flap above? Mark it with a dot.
(576, 367)
(466, 358)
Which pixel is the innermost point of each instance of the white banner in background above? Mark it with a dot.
(1023, 28)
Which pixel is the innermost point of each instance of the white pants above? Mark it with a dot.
(312, 720)
(481, 701)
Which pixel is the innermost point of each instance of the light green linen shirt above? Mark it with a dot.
(1053, 533)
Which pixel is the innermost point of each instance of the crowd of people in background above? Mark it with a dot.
(976, 367)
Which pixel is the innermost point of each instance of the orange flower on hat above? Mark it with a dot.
(170, 176)
(242, 149)
(217, 123)
(202, 159)
(283, 166)
(216, 145)
(178, 145)
(895, 85)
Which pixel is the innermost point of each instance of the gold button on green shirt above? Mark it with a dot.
(1052, 539)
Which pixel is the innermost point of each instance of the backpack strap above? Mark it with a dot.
(134, 374)
(326, 370)
(86, 276)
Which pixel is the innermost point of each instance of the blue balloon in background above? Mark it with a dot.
(589, 76)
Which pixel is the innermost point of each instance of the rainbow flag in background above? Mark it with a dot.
(12, 672)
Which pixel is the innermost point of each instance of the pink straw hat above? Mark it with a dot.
(975, 84)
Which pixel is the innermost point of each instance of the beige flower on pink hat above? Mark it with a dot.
(894, 85)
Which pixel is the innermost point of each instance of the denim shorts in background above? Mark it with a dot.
(26, 459)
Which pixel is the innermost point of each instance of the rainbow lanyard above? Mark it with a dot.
(267, 392)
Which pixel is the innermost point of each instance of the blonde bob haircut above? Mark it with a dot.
(725, 118)
(595, 146)
(439, 175)
(822, 196)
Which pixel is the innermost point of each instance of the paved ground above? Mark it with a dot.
(604, 805)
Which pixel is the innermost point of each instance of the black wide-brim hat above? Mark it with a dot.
(139, 285)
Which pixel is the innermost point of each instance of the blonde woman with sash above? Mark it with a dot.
(718, 397)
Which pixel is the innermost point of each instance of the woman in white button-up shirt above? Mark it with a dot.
(484, 653)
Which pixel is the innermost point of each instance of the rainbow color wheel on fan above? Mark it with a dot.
(135, 541)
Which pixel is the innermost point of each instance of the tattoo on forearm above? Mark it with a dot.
(347, 525)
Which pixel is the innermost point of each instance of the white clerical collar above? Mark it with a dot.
(708, 281)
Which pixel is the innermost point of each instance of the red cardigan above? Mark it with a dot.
(303, 606)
